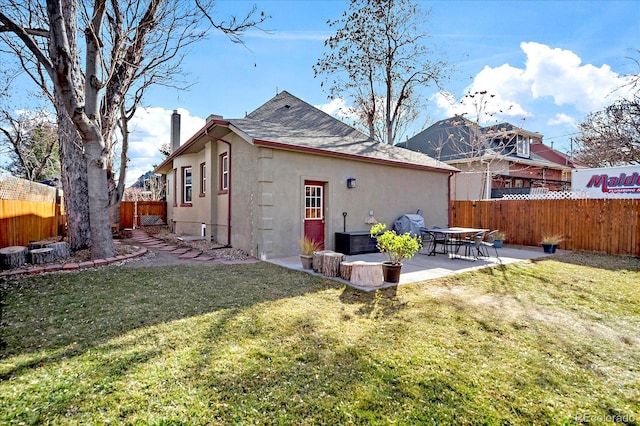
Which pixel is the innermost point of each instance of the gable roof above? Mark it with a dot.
(287, 122)
(449, 140)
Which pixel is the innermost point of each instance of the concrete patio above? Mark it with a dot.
(422, 267)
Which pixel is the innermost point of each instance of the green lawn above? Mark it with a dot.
(550, 342)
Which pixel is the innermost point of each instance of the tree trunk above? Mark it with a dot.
(74, 181)
(116, 195)
(102, 240)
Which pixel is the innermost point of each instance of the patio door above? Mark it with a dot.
(314, 211)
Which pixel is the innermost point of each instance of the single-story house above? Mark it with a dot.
(288, 170)
(493, 160)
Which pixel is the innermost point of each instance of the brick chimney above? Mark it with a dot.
(175, 130)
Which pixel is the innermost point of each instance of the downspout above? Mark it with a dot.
(206, 132)
(449, 199)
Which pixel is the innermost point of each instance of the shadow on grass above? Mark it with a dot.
(383, 301)
(64, 314)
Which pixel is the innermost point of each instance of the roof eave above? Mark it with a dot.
(166, 165)
(317, 151)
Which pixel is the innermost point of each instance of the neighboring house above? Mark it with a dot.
(287, 170)
(509, 155)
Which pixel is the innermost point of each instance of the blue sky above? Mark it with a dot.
(549, 63)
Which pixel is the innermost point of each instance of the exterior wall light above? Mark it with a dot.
(351, 182)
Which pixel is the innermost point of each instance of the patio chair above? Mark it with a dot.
(440, 238)
(473, 246)
(485, 245)
(428, 243)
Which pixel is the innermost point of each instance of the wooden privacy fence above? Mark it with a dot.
(24, 221)
(142, 213)
(602, 225)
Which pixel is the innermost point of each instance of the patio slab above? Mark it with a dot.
(422, 267)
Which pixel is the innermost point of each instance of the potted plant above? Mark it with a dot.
(307, 247)
(499, 238)
(550, 242)
(396, 247)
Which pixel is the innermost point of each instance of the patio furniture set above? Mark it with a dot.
(476, 242)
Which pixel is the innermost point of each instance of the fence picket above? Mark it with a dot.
(602, 225)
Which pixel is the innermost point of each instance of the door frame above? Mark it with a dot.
(317, 183)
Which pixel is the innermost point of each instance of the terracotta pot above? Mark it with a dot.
(391, 273)
(307, 261)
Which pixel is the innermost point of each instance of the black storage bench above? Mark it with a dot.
(355, 242)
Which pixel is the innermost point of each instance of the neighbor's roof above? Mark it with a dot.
(286, 122)
(450, 141)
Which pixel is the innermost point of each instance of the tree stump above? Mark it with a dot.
(61, 249)
(331, 264)
(345, 270)
(38, 244)
(13, 257)
(42, 255)
(366, 274)
(317, 259)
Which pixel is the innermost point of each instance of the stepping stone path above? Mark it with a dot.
(186, 253)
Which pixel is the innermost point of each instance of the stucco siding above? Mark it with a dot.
(388, 191)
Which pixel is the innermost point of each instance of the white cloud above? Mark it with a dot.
(551, 74)
(338, 108)
(560, 74)
(333, 107)
(149, 129)
(562, 119)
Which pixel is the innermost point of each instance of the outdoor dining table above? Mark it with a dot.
(453, 238)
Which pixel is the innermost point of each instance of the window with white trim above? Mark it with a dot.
(224, 172)
(313, 202)
(523, 145)
(186, 185)
(203, 178)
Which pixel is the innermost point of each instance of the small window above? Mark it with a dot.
(186, 185)
(523, 146)
(313, 202)
(203, 179)
(175, 187)
(224, 172)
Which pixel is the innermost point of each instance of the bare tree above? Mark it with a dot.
(127, 46)
(378, 58)
(611, 137)
(30, 141)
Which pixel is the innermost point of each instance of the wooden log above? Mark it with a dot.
(43, 255)
(345, 270)
(37, 244)
(61, 249)
(317, 259)
(366, 274)
(13, 257)
(331, 264)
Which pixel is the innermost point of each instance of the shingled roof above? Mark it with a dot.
(450, 140)
(287, 122)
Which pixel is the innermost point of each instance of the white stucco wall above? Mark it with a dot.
(388, 191)
(266, 196)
